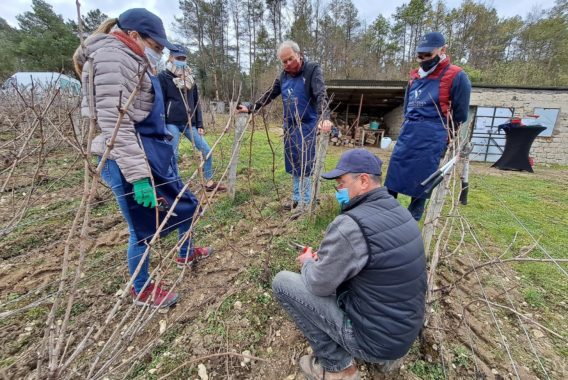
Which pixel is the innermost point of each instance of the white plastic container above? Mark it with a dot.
(385, 142)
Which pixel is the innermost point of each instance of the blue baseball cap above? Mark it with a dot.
(179, 51)
(355, 161)
(430, 41)
(145, 22)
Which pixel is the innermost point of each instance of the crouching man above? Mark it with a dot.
(362, 294)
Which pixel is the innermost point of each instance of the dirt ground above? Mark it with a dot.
(227, 310)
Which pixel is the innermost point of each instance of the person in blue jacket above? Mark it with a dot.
(436, 102)
(304, 98)
(183, 111)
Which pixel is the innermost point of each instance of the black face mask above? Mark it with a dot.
(429, 63)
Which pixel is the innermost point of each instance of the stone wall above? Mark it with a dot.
(552, 150)
(393, 120)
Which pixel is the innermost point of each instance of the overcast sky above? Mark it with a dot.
(167, 9)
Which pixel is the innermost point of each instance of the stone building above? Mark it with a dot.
(491, 106)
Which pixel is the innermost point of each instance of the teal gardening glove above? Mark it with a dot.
(144, 193)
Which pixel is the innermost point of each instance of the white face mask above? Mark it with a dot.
(153, 57)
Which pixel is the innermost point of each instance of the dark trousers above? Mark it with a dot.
(416, 206)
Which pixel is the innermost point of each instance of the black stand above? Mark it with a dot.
(517, 147)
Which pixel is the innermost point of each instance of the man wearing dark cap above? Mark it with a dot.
(436, 100)
(361, 295)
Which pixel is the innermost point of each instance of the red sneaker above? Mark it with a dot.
(198, 253)
(154, 296)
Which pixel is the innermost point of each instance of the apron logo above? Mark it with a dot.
(417, 94)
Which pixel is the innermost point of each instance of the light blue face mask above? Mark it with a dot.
(342, 196)
(153, 57)
(180, 64)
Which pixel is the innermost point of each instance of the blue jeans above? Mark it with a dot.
(416, 206)
(323, 323)
(199, 141)
(304, 194)
(112, 176)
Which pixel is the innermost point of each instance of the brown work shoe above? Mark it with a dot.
(220, 187)
(390, 366)
(314, 371)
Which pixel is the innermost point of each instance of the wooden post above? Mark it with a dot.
(321, 153)
(433, 213)
(240, 126)
(356, 122)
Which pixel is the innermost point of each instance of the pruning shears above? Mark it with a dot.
(435, 178)
(303, 248)
(164, 206)
(293, 244)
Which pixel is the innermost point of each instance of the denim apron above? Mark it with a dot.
(422, 139)
(159, 152)
(299, 140)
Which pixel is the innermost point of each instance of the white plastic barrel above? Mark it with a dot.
(385, 142)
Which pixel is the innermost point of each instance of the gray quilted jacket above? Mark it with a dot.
(117, 70)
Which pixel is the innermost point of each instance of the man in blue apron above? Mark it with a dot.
(304, 99)
(436, 100)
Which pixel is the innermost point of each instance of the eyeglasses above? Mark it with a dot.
(180, 58)
(424, 55)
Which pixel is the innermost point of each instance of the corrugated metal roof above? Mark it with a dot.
(350, 83)
(384, 84)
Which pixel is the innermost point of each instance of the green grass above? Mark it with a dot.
(427, 371)
(214, 320)
(534, 297)
(541, 208)
(6, 362)
(511, 209)
(461, 357)
(36, 314)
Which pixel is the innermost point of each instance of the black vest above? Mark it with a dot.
(385, 301)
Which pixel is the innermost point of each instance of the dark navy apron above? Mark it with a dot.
(299, 140)
(159, 152)
(422, 139)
